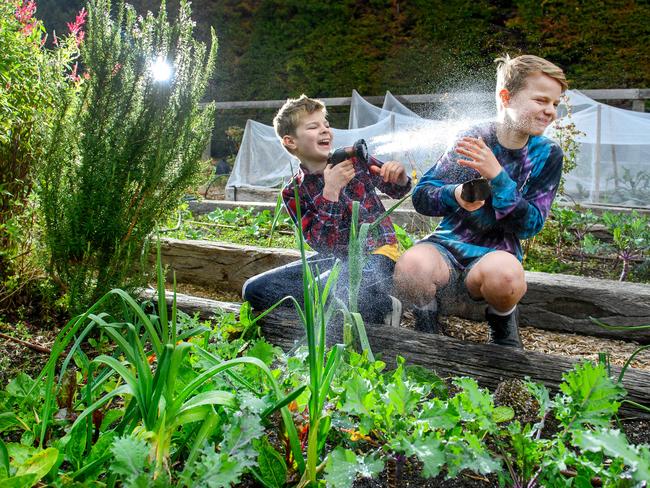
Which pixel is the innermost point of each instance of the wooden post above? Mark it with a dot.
(596, 194)
(638, 105)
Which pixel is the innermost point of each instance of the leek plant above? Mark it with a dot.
(357, 258)
(156, 405)
(314, 315)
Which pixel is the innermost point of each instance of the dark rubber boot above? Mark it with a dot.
(426, 321)
(504, 330)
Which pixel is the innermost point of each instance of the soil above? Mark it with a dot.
(411, 476)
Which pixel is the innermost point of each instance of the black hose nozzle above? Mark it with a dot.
(475, 190)
(358, 150)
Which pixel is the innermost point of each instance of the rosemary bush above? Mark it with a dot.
(126, 149)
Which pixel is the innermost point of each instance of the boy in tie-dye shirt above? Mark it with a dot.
(476, 248)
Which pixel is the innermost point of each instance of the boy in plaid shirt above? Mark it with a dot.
(326, 196)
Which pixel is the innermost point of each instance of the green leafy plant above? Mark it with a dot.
(583, 409)
(357, 257)
(630, 237)
(34, 83)
(149, 362)
(27, 472)
(123, 153)
(314, 314)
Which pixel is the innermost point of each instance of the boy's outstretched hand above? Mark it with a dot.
(391, 172)
(479, 157)
(336, 178)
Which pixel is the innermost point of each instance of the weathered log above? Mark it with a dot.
(217, 264)
(553, 301)
(488, 364)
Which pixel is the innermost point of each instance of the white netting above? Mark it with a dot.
(392, 104)
(263, 162)
(613, 168)
(364, 113)
(613, 163)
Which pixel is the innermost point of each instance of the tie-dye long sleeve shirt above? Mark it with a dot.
(522, 194)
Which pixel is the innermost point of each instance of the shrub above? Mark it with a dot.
(32, 82)
(124, 151)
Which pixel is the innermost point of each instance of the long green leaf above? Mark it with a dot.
(4, 456)
(175, 361)
(363, 337)
(120, 390)
(162, 303)
(206, 375)
(128, 377)
(208, 427)
(283, 402)
(330, 368)
(159, 384)
(214, 397)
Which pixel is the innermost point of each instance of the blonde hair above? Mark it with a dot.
(288, 117)
(512, 72)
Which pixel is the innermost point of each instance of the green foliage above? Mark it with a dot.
(571, 231)
(614, 444)
(272, 467)
(238, 225)
(125, 150)
(630, 237)
(403, 238)
(591, 397)
(130, 460)
(314, 315)
(344, 466)
(223, 467)
(28, 472)
(33, 84)
(594, 41)
(162, 390)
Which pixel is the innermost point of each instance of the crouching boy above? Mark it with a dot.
(476, 249)
(326, 195)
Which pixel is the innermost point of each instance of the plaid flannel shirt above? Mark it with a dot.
(326, 224)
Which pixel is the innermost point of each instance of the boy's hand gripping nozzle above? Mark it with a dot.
(358, 150)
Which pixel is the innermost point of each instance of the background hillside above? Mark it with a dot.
(271, 49)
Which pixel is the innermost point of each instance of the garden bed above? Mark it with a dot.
(553, 301)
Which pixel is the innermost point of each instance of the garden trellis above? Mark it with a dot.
(613, 157)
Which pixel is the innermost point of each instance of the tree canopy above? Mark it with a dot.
(270, 49)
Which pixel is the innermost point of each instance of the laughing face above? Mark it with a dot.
(312, 141)
(530, 110)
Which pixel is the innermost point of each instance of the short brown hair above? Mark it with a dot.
(512, 72)
(288, 117)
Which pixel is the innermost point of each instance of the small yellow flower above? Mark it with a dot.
(355, 435)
